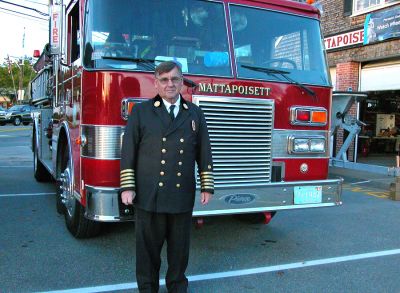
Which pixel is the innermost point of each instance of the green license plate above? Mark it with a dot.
(307, 194)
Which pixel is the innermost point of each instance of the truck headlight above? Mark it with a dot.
(317, 145)
(306, 145)
(300, 145)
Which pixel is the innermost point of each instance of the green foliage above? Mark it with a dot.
(24, 71)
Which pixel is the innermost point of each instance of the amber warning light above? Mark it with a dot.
(316, 116)
(127, 106)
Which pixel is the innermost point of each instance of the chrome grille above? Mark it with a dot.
(240, 132)
(103, 142)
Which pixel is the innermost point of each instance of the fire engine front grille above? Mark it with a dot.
(240, 133)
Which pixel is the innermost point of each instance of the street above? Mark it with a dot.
(351, 248)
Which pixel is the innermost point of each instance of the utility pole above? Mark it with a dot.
(12, 75)
(21, 72)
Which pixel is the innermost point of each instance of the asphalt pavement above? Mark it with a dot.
(350, 248)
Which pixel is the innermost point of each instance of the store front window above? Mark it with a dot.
(360, 6)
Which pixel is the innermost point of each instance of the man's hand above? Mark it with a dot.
(127, 197)
(205, 197)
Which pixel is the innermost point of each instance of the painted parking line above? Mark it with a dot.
(360, 182)
(26, 194)
(240, 273)
(367, 191)
(27, 166)
(16, 129)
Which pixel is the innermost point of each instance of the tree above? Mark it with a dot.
(22, 70)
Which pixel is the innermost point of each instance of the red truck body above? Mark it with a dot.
(258, 71)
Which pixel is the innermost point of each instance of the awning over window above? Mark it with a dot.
(379, 77)
(4, 99)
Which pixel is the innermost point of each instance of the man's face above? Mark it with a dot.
(169, 85)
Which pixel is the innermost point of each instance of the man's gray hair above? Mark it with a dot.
(167, 66)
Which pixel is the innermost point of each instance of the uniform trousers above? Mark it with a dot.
(152, 229)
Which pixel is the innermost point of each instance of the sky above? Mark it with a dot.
(13, 26)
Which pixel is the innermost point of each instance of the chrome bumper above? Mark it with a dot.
(272, 197)
(102, 205)
(102, 202)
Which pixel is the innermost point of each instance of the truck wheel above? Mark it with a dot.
(17, 121)
(39, 170)
(2, 123)
(74, 212)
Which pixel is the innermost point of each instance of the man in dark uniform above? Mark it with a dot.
(163, 139)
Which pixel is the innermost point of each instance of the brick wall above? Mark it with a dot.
(333, 22)
(348, 60)
(347, 76)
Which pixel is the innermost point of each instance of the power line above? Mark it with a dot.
(26, 7)
(23, 13)
(36, 3)
(43, 26)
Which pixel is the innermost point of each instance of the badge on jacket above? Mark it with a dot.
(193, 125)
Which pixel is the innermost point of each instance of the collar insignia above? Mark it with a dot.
(157, 104)
(185, 106)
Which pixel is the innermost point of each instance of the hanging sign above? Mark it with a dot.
(382, 25)
(55, 29)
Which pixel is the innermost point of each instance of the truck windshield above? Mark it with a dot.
(286, 42)
(192, 33)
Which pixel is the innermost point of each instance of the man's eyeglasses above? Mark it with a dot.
(175, 80)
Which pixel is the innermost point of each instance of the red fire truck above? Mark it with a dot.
(257, 69)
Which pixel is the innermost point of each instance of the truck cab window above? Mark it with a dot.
(73, 29)
(295, 47)
(119, 32)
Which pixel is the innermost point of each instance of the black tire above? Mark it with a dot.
(2, 123)
(78, 225)
(17, 121)
(39, 170)
(255, 218)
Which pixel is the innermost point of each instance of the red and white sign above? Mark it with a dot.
(55, 33)
(344, 40)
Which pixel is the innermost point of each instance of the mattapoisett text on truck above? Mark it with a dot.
(257, 69)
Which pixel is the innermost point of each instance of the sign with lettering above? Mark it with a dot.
(234, 89)
(344, 40)
(382, 25)
(55, 32)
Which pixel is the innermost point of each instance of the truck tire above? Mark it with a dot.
(74, 212)
(17, 121)
(39, 170)
(2, 123)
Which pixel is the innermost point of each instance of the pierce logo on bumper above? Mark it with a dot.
(240, 198)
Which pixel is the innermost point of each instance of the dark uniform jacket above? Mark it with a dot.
(158, 156)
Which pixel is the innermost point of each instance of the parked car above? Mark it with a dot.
(16, 115)
(2, 115)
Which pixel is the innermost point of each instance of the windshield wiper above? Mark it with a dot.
(148, 64)
(271, 71)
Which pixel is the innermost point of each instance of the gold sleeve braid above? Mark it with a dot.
(127, 178)
(207, 180)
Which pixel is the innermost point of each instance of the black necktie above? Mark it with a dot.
(171, 112)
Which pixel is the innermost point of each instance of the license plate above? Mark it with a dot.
(307, 194)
